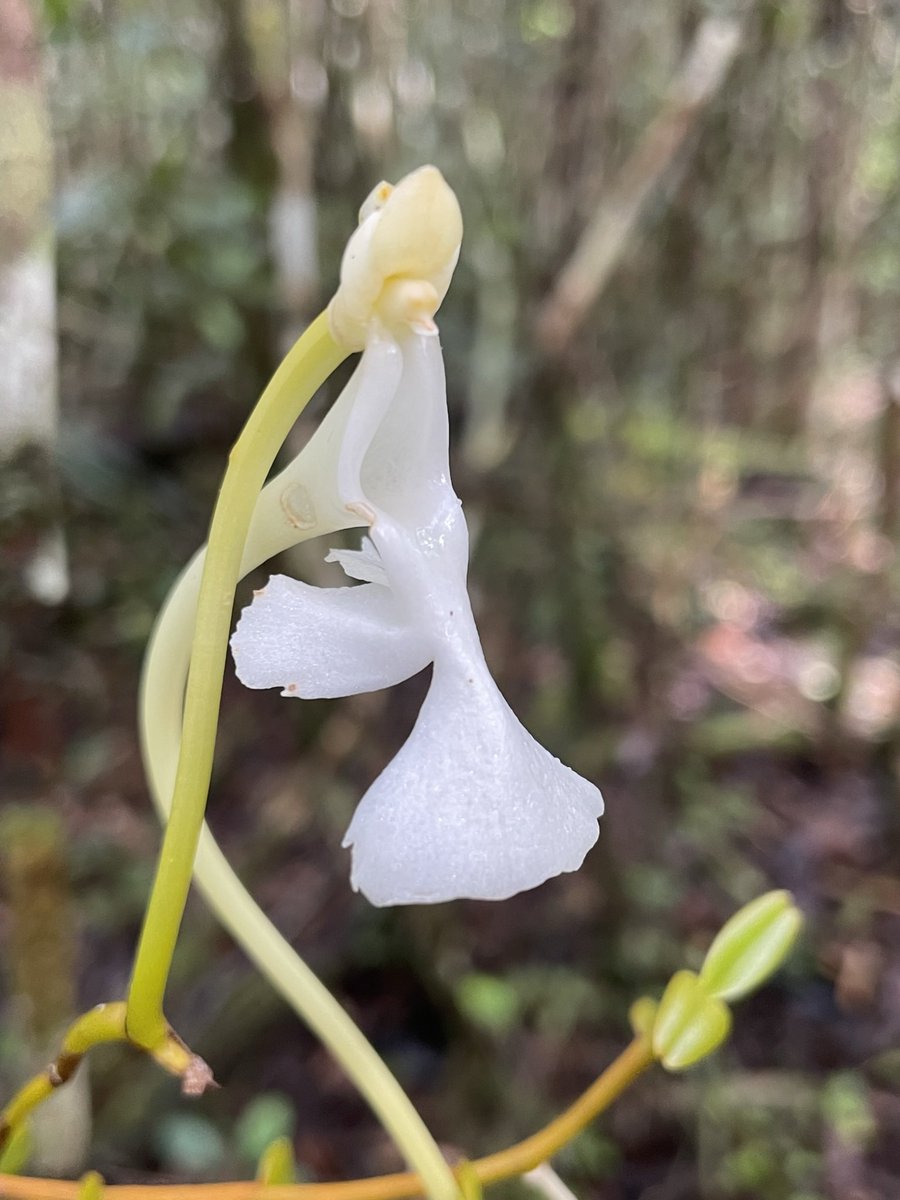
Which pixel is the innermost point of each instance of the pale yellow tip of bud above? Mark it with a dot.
(399, 262)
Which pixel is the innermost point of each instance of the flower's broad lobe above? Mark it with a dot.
(471, 806)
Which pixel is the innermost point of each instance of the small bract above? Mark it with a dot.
(472, 806)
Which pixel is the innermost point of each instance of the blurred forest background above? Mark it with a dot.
(672, 352)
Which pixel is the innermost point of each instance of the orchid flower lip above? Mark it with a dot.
(471, 806)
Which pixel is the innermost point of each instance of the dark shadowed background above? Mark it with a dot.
(672, 353)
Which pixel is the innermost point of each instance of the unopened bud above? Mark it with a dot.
(398, 263)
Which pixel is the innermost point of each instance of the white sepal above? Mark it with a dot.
(322, 642)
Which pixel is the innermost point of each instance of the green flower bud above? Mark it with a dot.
(751, 946)
(690, 1023)
(276, 1163)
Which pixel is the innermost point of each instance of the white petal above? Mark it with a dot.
(383, 444)
(364, 564)
(321, 642)
(325, 467)
(471, 807)
(406, 468)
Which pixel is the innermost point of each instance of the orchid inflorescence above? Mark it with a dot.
(471, 806)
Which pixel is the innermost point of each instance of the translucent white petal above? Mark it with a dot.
(364, 564)
(471, 807)
(321, 642)
(324, 469)
(405, 471)
(383, 444)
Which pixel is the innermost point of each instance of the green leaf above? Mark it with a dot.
(751, 946)
(690, 1023)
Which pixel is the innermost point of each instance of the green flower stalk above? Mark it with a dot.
(307, 366)
(401, 280)
(677, 1028)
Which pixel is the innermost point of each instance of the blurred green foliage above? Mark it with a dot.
(683, 557)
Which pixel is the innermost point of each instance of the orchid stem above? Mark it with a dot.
(505, 1164)
(164, 730)
(105, 1023)
(306, 367)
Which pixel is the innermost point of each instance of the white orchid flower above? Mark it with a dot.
(471, 807)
